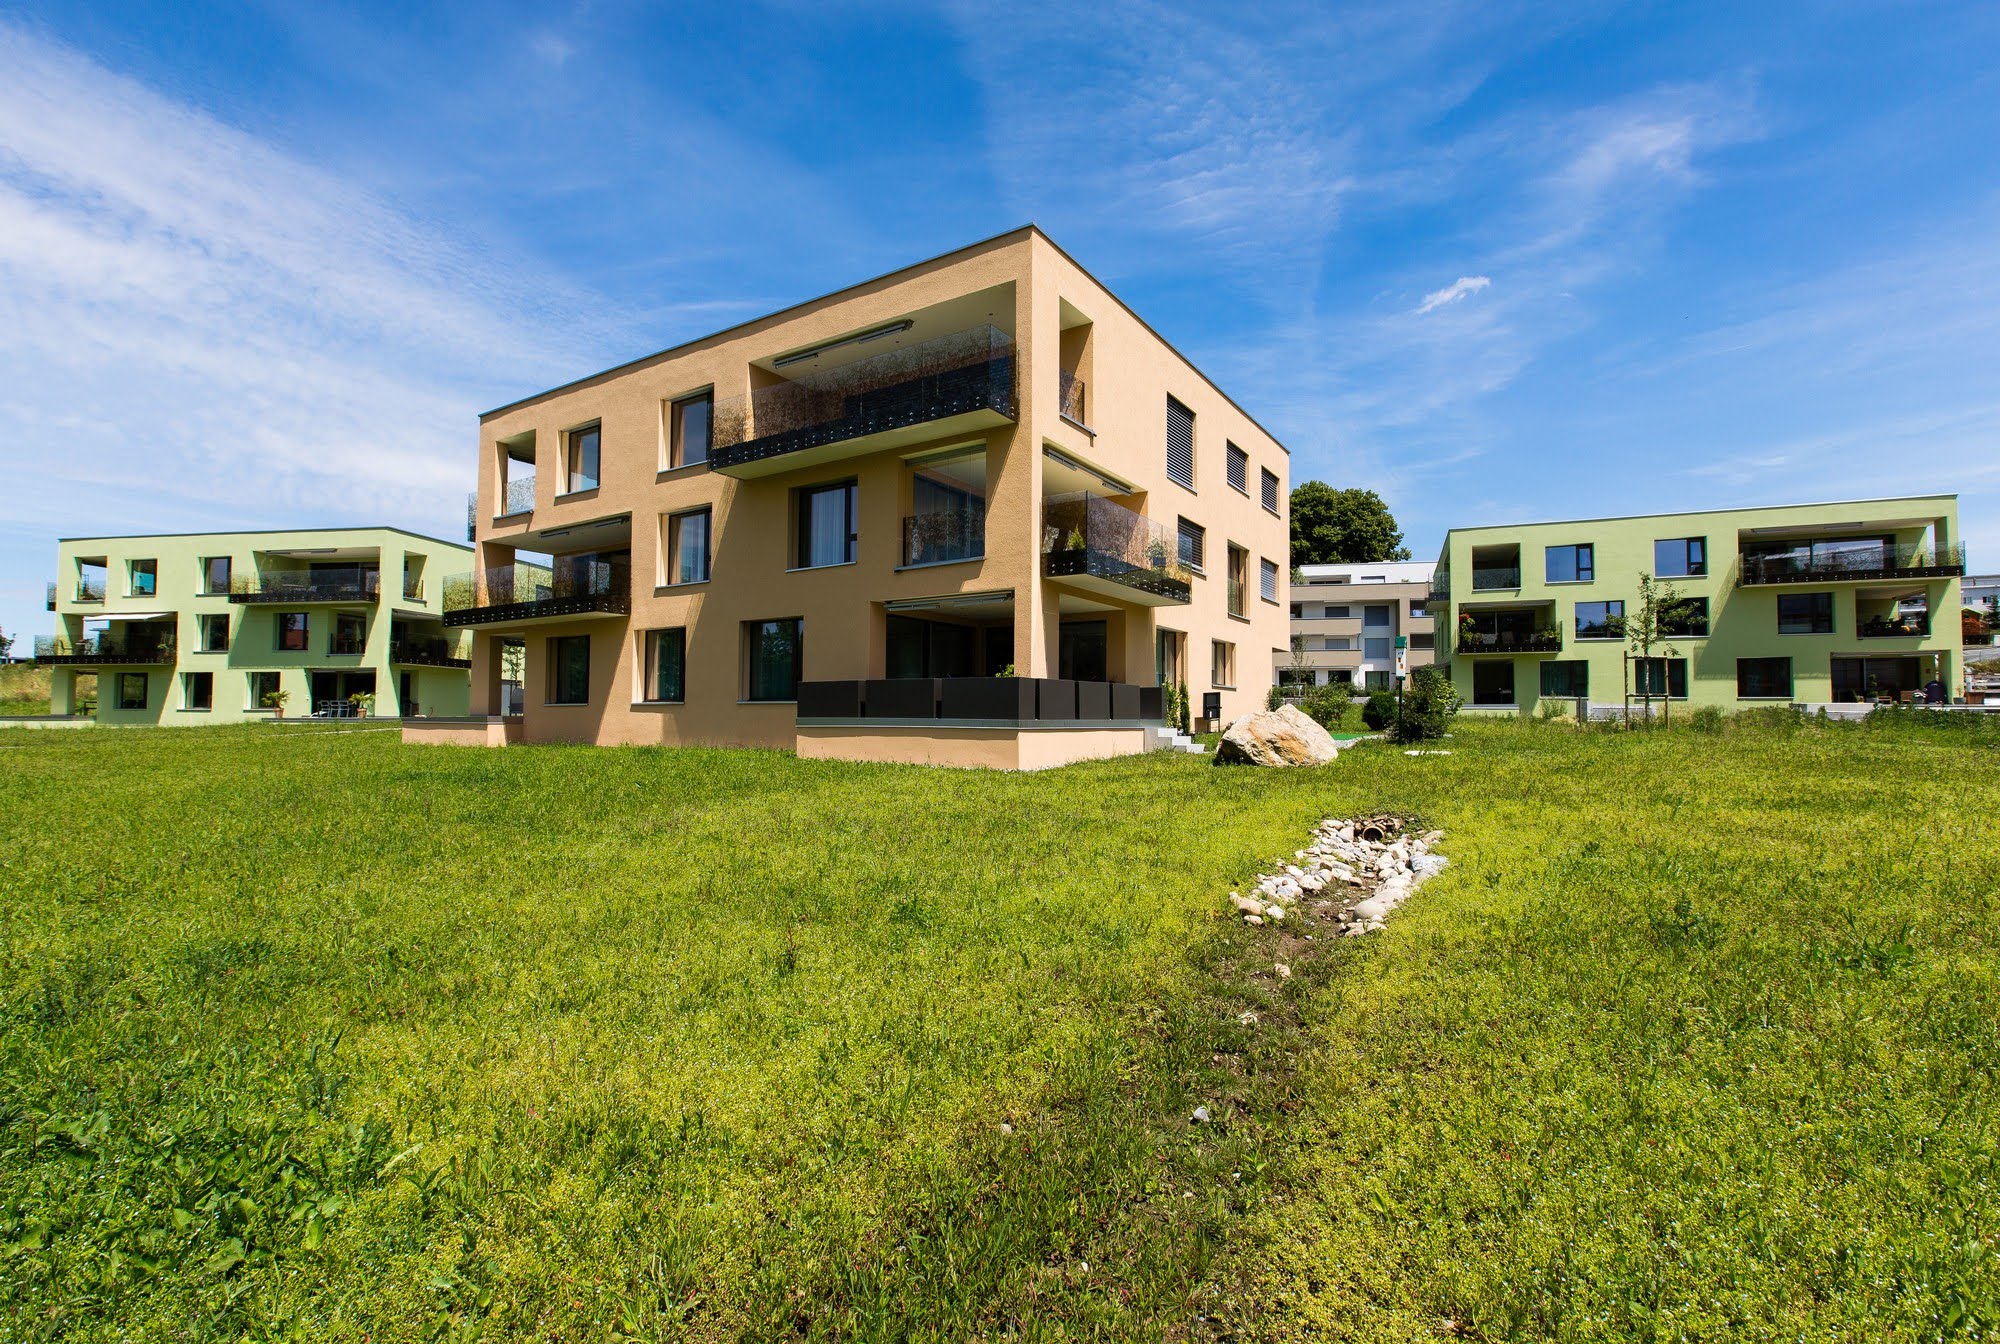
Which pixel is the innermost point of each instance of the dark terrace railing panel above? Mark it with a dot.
(1085, 534)
(330, 585)
(535, 592)
(103, 649)
(1887, 562)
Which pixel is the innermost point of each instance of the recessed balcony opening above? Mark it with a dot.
(947, 519)
(516, 482)
(1074, 367)
(1890, 549)
(1504, 630)
(1496, 567)
(579, 571)
(139, 639)
(1899, 615)
(351, 574)
(416, 642)
(91, 578)
(892, 383)
(954, 635)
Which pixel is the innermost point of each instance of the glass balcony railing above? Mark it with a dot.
(1073, 401)
(1085, 536)
(1497, 576)
(136, 646)
(317, 585)
(1831, 564)
(429, 651)
(571, 586)
(1510, 638)
(945, 537)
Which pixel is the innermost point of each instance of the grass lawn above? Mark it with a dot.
(312, 1035)
(24, 688)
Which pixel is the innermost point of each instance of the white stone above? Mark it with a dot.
(1246, 905)
(1284, 971)
(1256, 921)
(1200, 1116)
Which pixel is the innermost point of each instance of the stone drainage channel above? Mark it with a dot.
(1355, 872)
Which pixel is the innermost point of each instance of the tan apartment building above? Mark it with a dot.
(1350, 622)
(974, 511)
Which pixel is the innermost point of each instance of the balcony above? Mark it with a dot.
(413, 588)
(1510, 640)
(1073, 403)
(520, 593)
(133, 648)
(947, 385)
(1916, 626)
(421, 652)
(293, 587)
(1848, 563)
(90, 589)
(1496, 577)
(1092, 544)
(52, 595)
(946, 537)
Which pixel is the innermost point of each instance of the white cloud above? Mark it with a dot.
(1463, 287)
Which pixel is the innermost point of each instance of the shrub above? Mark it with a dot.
(1380, 711)
(1429, 701)
(1705, 719)
(1551, 707)
(1327, 705)
(1273, 698)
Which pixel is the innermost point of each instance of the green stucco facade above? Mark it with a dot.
(193, 628)
(1805, 604)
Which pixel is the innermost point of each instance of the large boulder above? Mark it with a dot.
(1281, 736)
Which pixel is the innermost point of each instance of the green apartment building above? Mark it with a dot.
(198, 628)
(1814, 604)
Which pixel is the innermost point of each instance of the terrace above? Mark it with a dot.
(320, 583)
(1847, 560)
(1100, 547)
(1526, 630)
(569, 585)
(137, 645)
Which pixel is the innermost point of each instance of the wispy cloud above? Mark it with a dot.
(1463, 287)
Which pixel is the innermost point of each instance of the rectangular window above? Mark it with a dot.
(262, 685)
(688, 429)
(215, 576)
(1239, 579)
(1180, 444)
(197, 690)
(583, 458)
(293, 629)
(947, 522)
(1687, 617)
(1680, 558)
(826, 526)
(1423, 641)
(1763, 678)
(1376, 617)
(1340, 643)
(687, 546)
(350, 633)
(1660, 676)
(1267, 580)
(1270, 481)
(1375, 647)
(215, 632)
(1417, 611)
(1493, 681)
(1194, 546)
(1571, 564)
(1570, 680)
(569, 670)
(1239, 469)
(132, 690)
(1339, 613)
(1805, 613)
(1222, 664)
(1600, 620)
(145, 578)
(772, 654)
(666, 666)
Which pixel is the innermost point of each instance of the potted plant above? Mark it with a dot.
(1156, 553)
(275, 701)
(362, 702)
(1075, 540)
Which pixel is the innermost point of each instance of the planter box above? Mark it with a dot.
(1012, 699)
(829, 700)
(1093, 700)
(1124, 701)
(901, 698)
(1055, 701)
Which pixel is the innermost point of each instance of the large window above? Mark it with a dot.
(1493, 681)
(215, 632)
(1239, 469)
(666, 666)
(197, 690)
(1763, 678)
(1270, 480)
(569, 670)
(687, 546)
(261, 685)
(1687, 617)
(294, 629)
(1222, 664)
(1680, 557)
(1180, 444)
(1600, 620)
(826, 526)
(1375, 648)
(1375, 617)
(132, 690)
(1565, 678)
(1660, 677)
(350, 633)
(947, 520)
(145, 578)
(772, 653)
(1571, 564)
(1194, 546)
(689, 422)
(1267, 580)
(583, 458)
(1239, 579)
(1805, 613)
(215, 575)
(920, 648)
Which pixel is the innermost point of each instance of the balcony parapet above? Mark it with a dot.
(1846, 566)
(1103, 546)
(573, 586)
(295, 586)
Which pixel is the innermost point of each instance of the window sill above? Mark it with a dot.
(1779, 698)
(185, 710)
(1565, 583)
(658, 704)
(565, 704)
(1273, 512)
(1239, 616)
(1069, 419)
(681, 472)
(810, 569)
(1241, 490)
(516, 514)
(769, 702)
(942, 564)
(1190, 489)
(586, 492)
(668, 589)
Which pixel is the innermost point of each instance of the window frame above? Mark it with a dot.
(1672, 665)
(1240, 609)
(190, 680)
(802, 497)
(150, 568)
(1573, 668)
(675, 523)
(342, 622)
(1221, 663)
(1688, 569)
(209, 588)
(1267, 580)
(1187, 529)
(1698, 601)
(572, 448)
(1789, 682)
(208, 623)
(258, 691)
(553, 675)
(676, 432)
(1176, 407)
(1576, 618)
(649, 665)
(1268, 485)
(1583, 562)
(1491, 667)
(751, 632)
(1812, 614)
(280, 629)
(125, 680)
(1237, 469)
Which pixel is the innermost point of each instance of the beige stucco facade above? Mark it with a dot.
(1053, 328)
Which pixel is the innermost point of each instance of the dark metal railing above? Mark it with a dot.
(966, 371)
(946, 536)
(1867, 562)
(1496, 577)
(1072, 400)
(319, 585)
(134, 646)
(429, 651)
(347, 645)
(1548, 639)
(573, 585)
(1085, 534)
(1896, 627)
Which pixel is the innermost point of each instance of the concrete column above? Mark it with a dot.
(62, 691)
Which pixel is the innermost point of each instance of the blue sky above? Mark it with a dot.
(262, 265)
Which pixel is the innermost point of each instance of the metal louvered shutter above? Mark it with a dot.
(1239, 469)
(1271, 491)
(1180, 444)
(1193, 543)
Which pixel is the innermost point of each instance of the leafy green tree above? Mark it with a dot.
(1342, 527)
(1429, 702)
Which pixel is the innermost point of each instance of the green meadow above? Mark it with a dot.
(311, 1035)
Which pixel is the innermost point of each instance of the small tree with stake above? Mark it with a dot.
(1649, 632)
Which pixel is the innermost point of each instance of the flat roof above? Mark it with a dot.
(1395, 571)
(267, 532)
(1022, 231)
(1689, 513)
